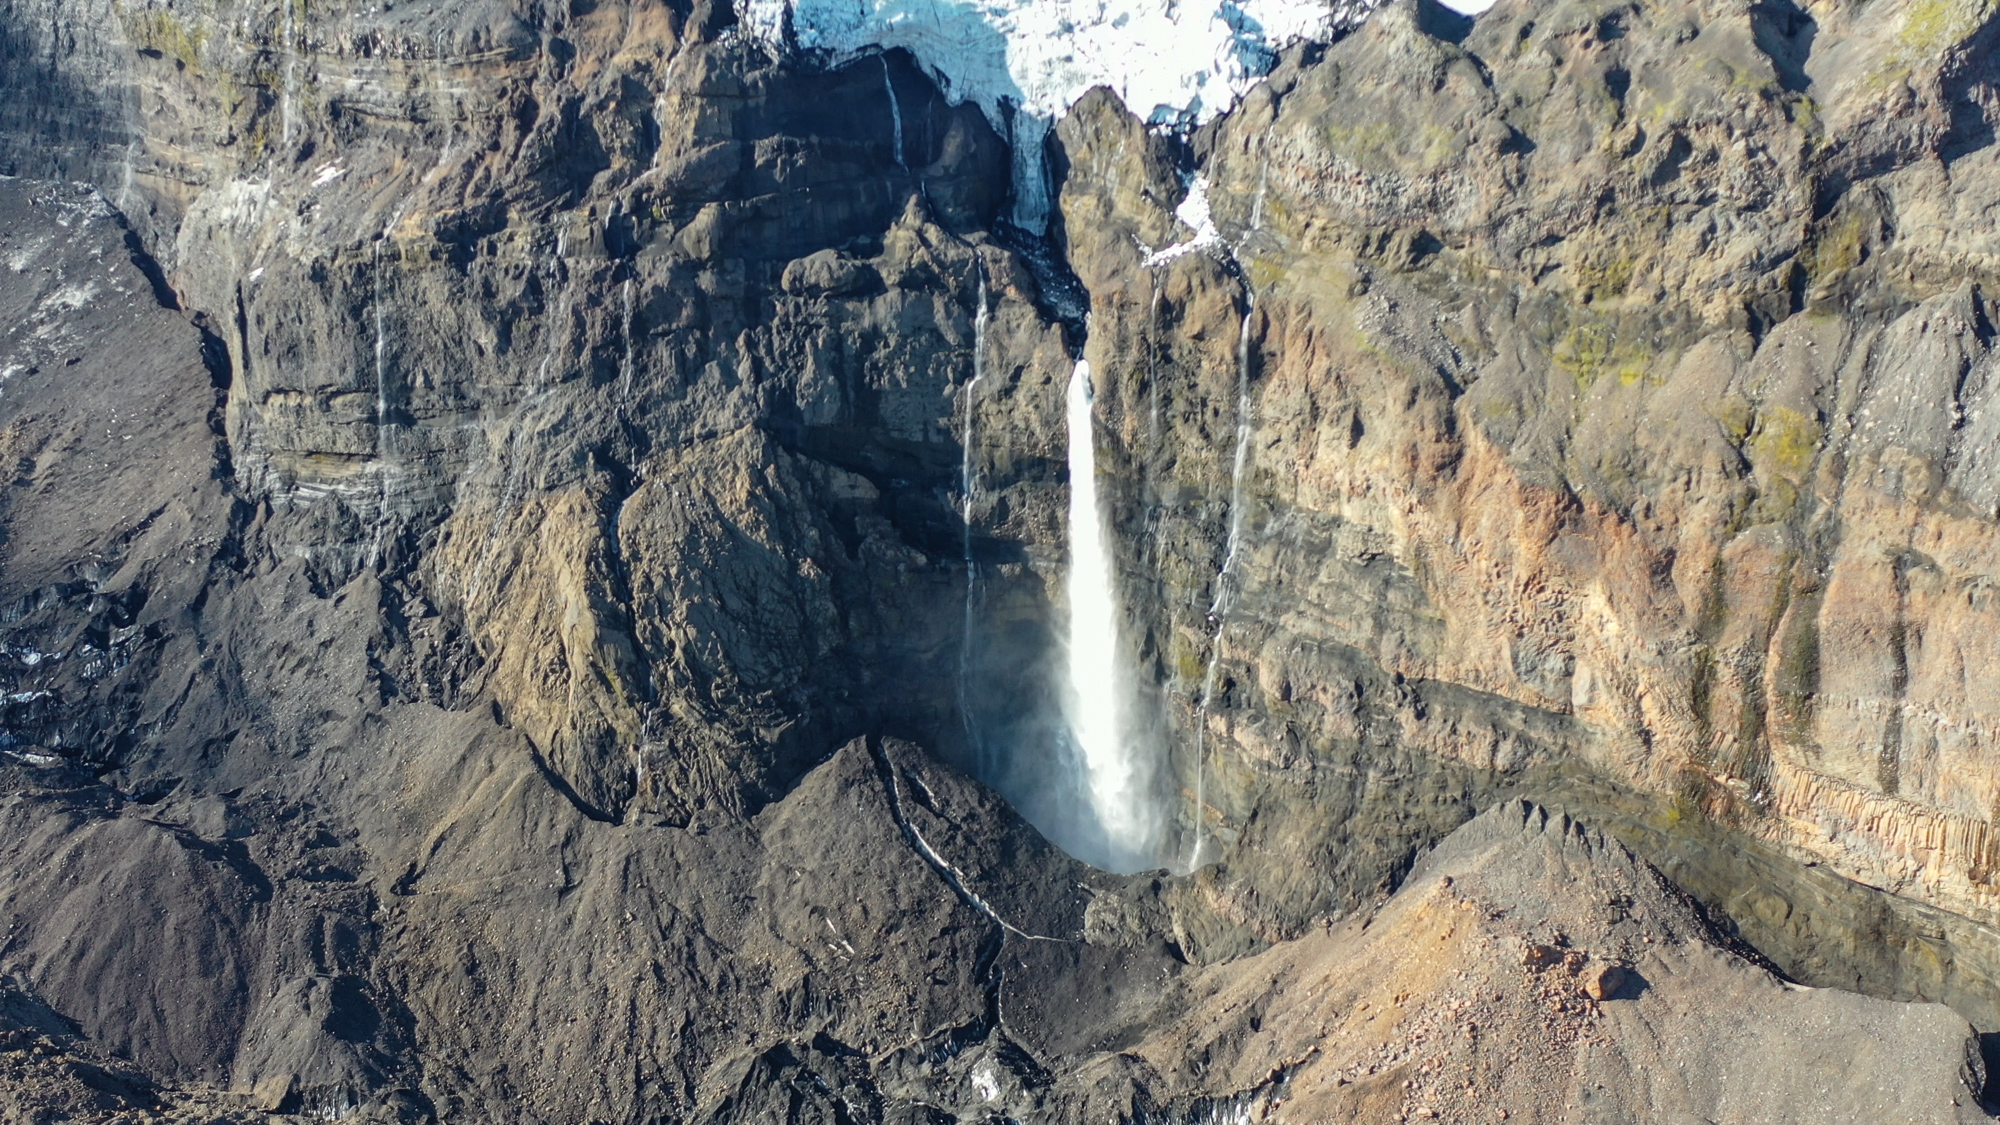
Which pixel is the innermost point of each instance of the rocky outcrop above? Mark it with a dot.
(1532, 969)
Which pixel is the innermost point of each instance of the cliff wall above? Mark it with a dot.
(583, 403)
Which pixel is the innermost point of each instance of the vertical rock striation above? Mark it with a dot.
(1620, 382)
(493, 486)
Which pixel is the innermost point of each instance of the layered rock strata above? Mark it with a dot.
(1617, 382)
(475, 462)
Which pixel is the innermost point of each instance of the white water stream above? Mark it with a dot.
(384, 442)
(288, 91)
(1116, 774)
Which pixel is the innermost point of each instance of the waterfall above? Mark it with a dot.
(125, 181)
(447, 107)
(1114, 775)
(558, 310)
(439, 44)
(1234, 542)
(895, 112)
(1153, 373)
(1218, 609)
(968, 491)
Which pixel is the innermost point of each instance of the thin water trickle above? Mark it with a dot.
(1152, 373)
(895, 113)
(288, 92)
(438, 75)
(558, 311)
(1242, 457)
(447, 108)
(968, 492)
(625, 365)
(385, 443)
(125, 181)
(514, 481)
(1225, 591)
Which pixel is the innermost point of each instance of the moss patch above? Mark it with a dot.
(1593, 349)
(1931, 26)
(1785, 442)
(162, 32)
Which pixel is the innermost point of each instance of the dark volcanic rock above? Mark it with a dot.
(485, 536)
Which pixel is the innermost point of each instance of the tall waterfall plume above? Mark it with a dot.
(1117, 775)
(288, 87)
(625, 327)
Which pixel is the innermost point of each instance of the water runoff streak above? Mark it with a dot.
(895, 113)
(1116, 775)
(625, 321)
(1218, 609)
(968, 491)
(385, 444)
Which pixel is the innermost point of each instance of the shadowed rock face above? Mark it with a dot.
(622, 359)
(475, 466)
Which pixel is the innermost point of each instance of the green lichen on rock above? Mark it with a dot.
(1594, 348)
(1785, 442)
(1932, 26)
(160, 30)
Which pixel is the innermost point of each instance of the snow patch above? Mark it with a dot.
(25, 256)
(1193, 214)
(69, 298)
(986, 1083)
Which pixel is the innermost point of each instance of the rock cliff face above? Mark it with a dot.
(1619, 377)
(475, 465)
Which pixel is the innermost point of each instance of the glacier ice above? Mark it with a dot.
(1025, 62)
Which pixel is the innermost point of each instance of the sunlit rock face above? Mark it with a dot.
(459, 536)
(1618, 396)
